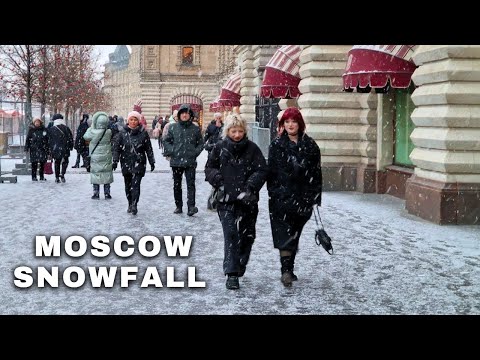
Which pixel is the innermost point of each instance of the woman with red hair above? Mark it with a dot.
(294, 186)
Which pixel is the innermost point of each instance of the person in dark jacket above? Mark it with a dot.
(60, 140)
(237, 168)
(213, 134)
(182, 145)
(132, 147)
(80, 144)
(37, 143)
(294, 186)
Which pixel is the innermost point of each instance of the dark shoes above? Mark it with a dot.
(75, 166)
(129, 210)
(178, 210)
(287, 278)
(192, 210)
(232, 282)
(34, 178)
(96, 196)
(134, 209)
(57, 180)
(62, 178)
(43, 179)
(108, 196)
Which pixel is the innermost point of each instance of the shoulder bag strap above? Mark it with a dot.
(98, 142)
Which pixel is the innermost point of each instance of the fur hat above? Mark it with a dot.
(57, 116)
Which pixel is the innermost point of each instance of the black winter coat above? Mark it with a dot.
(212, 135)
(60, 140)
(37, 144)
(238, 166)
(80, 144)
(295, 174)
(183, 144)
(132, 147)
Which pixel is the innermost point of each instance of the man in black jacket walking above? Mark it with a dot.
(182, 145)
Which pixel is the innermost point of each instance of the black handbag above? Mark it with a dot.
(321, 236)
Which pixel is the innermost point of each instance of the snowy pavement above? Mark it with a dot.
(385, 262)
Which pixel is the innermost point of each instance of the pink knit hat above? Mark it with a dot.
(134, 114)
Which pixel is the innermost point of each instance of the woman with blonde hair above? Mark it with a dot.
(237, 168)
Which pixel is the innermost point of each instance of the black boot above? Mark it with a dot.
(287, 270)
(192, 210)
(295, 278)
(232, 282)
(129, 210)
(178, 210)
(106, 191)
(96, 192)
(134, 208)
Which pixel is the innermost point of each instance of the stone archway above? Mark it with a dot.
(194, 97)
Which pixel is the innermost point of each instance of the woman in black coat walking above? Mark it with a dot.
(237, 168)
(294, 186)
(37, 144)
(132, 147)
(60, 140)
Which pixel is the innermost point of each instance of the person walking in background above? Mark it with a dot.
(132, 147)
(213, 134)
(60, 140)
(171, 120)
(99, 136)
(80, 145)
(182, 145)
(37, 143)
(237, 168)
(294, 186)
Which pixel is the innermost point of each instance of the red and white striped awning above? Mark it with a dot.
(214, 106)
(195, 102)
(230, 94)
(282, 73)
(376, 66)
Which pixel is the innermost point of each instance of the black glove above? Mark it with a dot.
(152, 167)
(114, 166)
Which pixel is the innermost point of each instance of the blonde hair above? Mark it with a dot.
(233, 120)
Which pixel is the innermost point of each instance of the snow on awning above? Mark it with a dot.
(376, 66)
(230, 94)
(282, 74)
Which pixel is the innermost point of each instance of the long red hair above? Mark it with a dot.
(294, 114)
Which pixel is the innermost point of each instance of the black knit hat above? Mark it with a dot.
(57, 116)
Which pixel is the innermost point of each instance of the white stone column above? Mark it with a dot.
(343, 124)
(247, 86)
(445, 187)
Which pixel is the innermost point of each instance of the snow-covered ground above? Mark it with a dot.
(385, 262)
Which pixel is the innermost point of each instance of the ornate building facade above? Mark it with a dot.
(162, 75)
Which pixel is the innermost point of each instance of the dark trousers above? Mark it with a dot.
(132, 187)
(84, 158)
(106, 189)
(177, 185)
(238, 223)
(64, 162)
(37, 165)
(160, 142)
